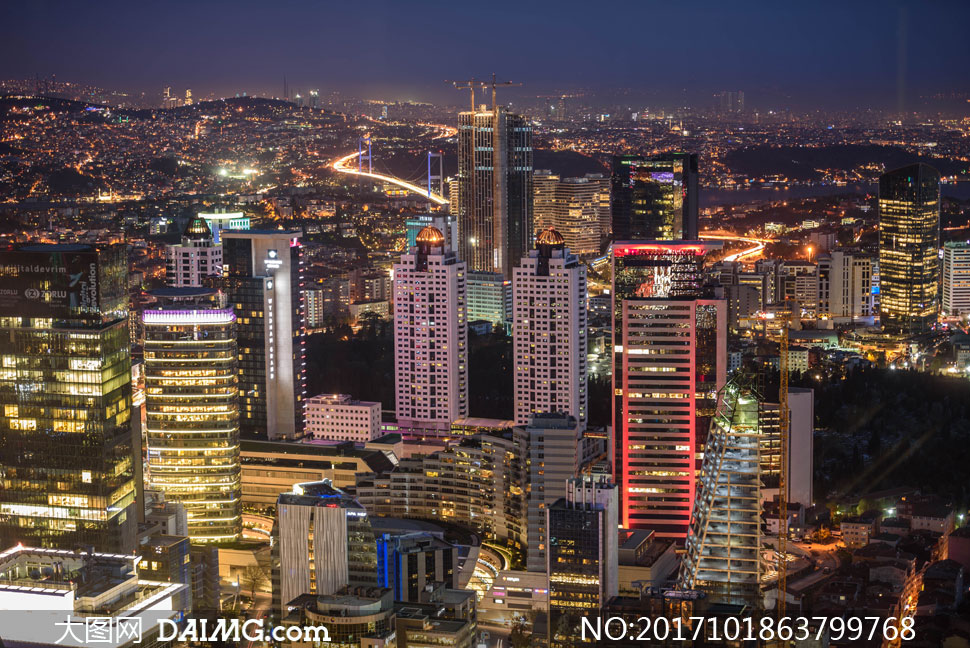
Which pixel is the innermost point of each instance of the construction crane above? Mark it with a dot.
(468, 84)
(493, 83)
(783, 424)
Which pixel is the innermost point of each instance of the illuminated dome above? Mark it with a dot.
(550, 237)
(430, 236)
(197, 229)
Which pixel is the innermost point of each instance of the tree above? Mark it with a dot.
(253, 578)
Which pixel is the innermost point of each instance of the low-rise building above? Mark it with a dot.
(338, 417)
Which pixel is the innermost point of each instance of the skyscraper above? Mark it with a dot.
(655, 198)
(489, 298)
(430, 336)
(909, 242)
(263, 278)
(68, 457)
(192, 411)
(549, 331)
(196, 258)
(494, 189)
(670, 351)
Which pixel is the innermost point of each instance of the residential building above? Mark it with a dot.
(549, 332)
(196, 258)
(956, 278)
(489, 298)
(430, 336)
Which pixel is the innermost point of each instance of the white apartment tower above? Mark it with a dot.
(956, 278)
(549, 332)
(198, 256)
(844, 286)
(430, 337)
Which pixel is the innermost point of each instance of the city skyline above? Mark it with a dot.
(851, 55)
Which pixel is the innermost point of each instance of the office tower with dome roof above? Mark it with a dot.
(430, 337)
(549, 331)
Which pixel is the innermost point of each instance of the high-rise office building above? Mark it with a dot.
(909, 242)
(69, 460)
(192, 410)
(263, 279)
(551, 450)
(195, 258)
(324, 542)
(655, 198)
(670, 351)
(489, 298)
(844, 286)
(549, 331)
(582, 551)
(956, 278)
(430, 336)
(578, 208)
(723, 544)
(494, 213)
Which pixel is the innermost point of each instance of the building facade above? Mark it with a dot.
(844, 286)
(192, 414)
(670, 351)
(549, 332)
(430, 336)
(338, 417)
(956, 278)
(196, 258)
(578, 208)
(654, 198)
(495, 217)
(489, 298)
(263, 280)
(324, 542)
(70, 461)
(909, 243)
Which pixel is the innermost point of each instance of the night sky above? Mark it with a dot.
(849, 53)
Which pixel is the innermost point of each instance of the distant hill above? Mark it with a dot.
(251, 105)
(413, 167)
(802, 163)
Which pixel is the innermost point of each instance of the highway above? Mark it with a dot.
(757, 245)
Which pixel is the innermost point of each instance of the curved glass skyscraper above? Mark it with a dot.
(192, 414)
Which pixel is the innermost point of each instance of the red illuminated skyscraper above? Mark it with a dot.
(668, 363)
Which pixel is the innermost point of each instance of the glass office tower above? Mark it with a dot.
(909, 244)
(654, 198)
(495, 201)
(192, 411)
(68, 458)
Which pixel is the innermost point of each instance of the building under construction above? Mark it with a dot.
(723, 551)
